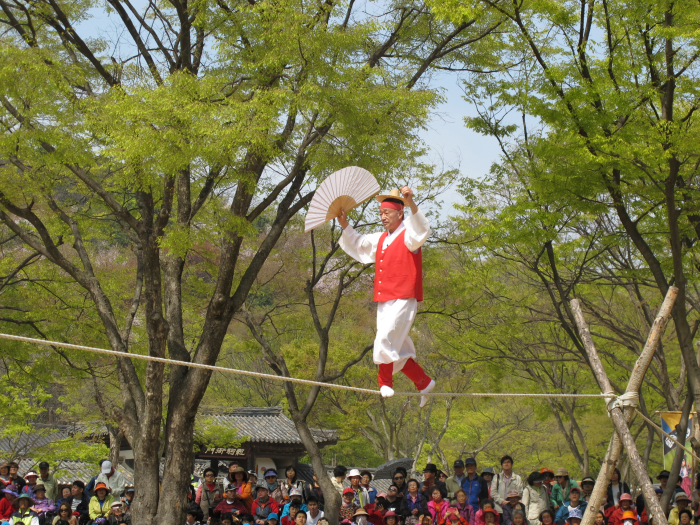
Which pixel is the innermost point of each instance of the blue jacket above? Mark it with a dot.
(476, 489)
(285, 510)
(563, 512)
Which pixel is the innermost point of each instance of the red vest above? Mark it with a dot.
(398, 273)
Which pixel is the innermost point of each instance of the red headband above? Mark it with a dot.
(393, 205)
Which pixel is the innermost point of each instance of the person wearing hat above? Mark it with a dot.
(243, 488)
(488, 474)
(264, 505)
(504, 482)
(511, 505)
(348, 507)
(117, 515)
(31, 478)
(490, 516)
(398, 285)
(361, 496)
(535, 498)
(454, 482)
(48, 480)
(314, 513)
(614, 514)
(8, 505)
(587, 485)
(560, 490)
(231, 503)
(111, 477)
(272, 518)
(273, 485)
(295, 497)
(24, 514)
(130, 492)
(548, 473)
(663, 481)
(575, 516)
(430, 480)
(101, 502)
(475, 486)
(360, 517)
(573, 503)
(391, 518)
(682, 501)
(209, 493)
(42, 504)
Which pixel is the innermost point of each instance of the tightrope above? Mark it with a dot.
(284, 378)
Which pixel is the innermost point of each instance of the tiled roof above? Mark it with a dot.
(268, 425)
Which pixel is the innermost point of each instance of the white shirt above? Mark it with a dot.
(313, 521)
(363, 248)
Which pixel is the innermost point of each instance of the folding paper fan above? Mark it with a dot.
(346, 189)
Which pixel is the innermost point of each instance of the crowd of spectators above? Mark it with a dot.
(468, 497)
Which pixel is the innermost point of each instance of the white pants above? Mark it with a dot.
(392, 343)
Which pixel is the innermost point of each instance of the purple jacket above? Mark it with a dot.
(44, 506)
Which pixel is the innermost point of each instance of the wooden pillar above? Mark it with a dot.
(620, 417)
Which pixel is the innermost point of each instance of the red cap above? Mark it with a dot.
(348, 491)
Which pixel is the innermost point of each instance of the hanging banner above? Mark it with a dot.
(669, 420)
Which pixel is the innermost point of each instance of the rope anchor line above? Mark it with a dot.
(308, 382)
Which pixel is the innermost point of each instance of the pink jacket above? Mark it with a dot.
(438, 511)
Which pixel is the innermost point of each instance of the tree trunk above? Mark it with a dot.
(681, 430)
(331, 497)
(635, 381)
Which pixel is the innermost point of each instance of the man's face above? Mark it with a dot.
(471, 469)
(76, 491)
(574, 496)
(13, 471)
(229, 494)
(588, 488)
(190, 518)
(390, 218)
(300, 518)
(427, 475)
(507, 465)
(312, 506)
(44, 471)
(663, 482)
(293, 511)
(262, 492)
(625, 504)
(365, 479)
(296, 498)
(459, 471)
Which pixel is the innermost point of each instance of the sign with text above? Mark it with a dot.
(225, 452)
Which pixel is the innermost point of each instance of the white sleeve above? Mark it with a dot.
(417, 231)
(362, 248)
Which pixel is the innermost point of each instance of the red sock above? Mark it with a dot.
(415, 373)
(386, 373)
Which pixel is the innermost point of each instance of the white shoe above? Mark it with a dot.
(386, 391)
(426, 390)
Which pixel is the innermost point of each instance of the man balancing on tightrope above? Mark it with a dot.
(398, 285)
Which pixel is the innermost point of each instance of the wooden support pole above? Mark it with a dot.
(621, 417)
